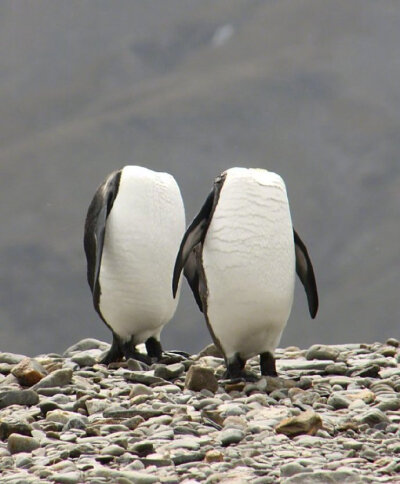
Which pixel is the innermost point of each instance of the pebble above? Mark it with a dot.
(169, 372)
(231, 436)
(83, 359)
(393, 342)
(307, 422)
(322, 352)
(291, 469)
(10, 427)
(213, 455)
(57, 378)
(86, 344)
(66, 477)
(337, 401)
(28, 372)
(11, 358)
(131, 422)
(373, 417)
(21, 443)
(18, 397)
(139, 389)
(146, 377)
(200, 378)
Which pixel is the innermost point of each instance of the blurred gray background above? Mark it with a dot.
(306, 88)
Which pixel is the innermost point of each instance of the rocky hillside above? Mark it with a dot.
(332, 417)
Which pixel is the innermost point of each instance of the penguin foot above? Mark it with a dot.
(136, 355)
(171, 357)
(267, 364)
(245, 376)
(154, 348)
(234, 368)
(110, 358)
(184, 354)
(114, 353)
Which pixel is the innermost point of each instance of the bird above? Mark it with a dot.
(133, 228)
(240, 256)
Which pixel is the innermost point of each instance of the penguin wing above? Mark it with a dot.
(305, 272)
(192, 273)
(95, 226)
(194, 235)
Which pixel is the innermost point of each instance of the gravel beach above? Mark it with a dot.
(332, 416)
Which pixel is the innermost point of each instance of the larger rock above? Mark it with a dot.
(8, 428)
(169, 372)
(211, 350)
(306, 423)
(57, 378)
(322, 352)
(86, 344)
(21, 443)
(231, 436)
(199, 378)
(28, 372)
(11, 358)
(19, 397)
(373, 417)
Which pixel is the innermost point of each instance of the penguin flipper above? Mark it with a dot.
(192, 274)
(306, 275)
(95, 226)
(194, 234)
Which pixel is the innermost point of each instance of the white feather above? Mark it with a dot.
(143, 233)
(249, 262)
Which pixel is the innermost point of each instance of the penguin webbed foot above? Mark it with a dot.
(245, 376)
(235, 371)
(120, 349)
(267, 364)
(171, 357)
(156, 353)
(114, 353)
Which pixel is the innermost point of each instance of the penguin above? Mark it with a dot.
(240, 255)
(133, 228)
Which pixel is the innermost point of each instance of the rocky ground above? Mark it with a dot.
(332, 417)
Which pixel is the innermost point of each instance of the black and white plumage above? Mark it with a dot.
(133, 228)
(240, 255)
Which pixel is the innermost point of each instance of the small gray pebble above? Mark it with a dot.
(114, 450)
(75, 423)
(337, 401)
(84, 359)
(291, 469)
(169, 372)
(230, 436)
(23, 460)
(369, 454)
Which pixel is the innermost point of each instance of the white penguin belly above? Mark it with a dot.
(249, 262)
(143, 232)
